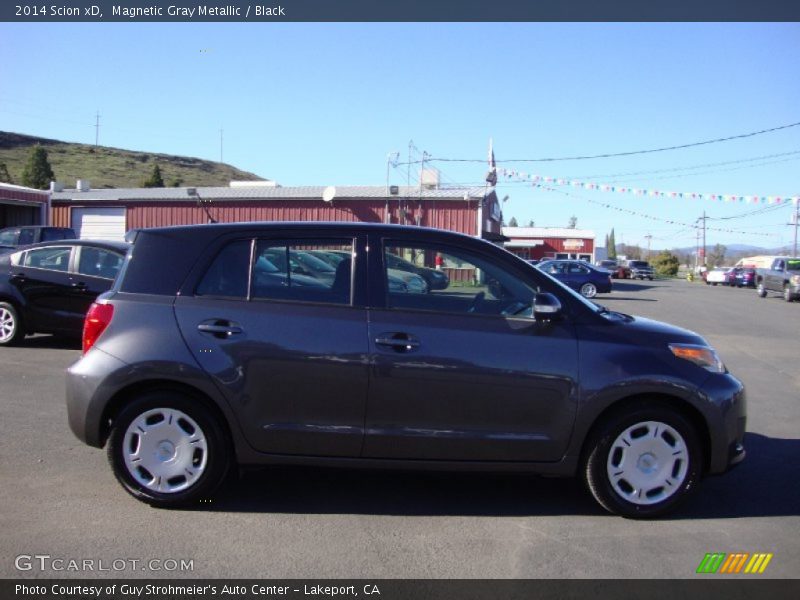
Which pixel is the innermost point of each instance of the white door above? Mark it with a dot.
(99, 223)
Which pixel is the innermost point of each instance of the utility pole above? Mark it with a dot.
(704, 218)
(220, 145)
(796, 222)
(648, 237)
(96, 129)
(391, 160)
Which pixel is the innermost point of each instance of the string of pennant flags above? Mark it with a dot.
(642, 192)
(650, 217)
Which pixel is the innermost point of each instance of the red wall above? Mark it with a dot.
(453, 215)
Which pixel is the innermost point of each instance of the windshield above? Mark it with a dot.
(793, 265)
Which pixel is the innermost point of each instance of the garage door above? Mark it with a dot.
(99, 223)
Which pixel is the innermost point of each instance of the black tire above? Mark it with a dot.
(12, 331)
(761, 290)
(212, 461)
(686, 469)
(787, 293)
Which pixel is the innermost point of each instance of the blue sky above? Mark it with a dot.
(323, 104)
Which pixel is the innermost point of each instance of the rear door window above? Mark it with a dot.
(303, 270)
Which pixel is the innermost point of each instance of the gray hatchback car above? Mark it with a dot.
(210, 352)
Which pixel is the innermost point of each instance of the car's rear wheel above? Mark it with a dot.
(643, 462)
(168, 450)
(11, 330)
(588, 290)
(761, 290)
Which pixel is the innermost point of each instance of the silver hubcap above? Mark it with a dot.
(165, 450)
(648, 463)
(7, 325)
(588, 290)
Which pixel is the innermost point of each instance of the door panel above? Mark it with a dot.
(295, 374)
(292, 360)
(473, 388)
(459, 373)
(42, 277)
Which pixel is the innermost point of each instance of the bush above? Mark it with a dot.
(666, 264)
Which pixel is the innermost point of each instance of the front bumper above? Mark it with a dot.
(726, 416)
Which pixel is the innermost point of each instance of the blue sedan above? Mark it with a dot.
(578, 275)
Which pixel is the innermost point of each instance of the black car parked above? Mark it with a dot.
(48, 287)
(191, 366)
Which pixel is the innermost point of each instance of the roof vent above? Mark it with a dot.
(56, 186)
(83, 185)
(394, 190)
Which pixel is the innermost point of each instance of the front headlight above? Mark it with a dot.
(795, 279)
(702, 356)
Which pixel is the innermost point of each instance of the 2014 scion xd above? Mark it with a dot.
(207, 359)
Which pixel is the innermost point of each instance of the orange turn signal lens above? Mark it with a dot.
(702, 356)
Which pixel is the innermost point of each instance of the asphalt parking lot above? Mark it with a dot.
(60, 498)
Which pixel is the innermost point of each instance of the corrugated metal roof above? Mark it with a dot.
(265, 193)
(547, 232)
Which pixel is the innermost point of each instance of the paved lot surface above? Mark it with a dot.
(59, 497)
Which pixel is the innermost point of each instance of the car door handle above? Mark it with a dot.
(220, 329)
(79, 285)
(399, 342)
(18, 277)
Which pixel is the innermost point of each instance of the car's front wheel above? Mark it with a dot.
(11, 330)
(588, 290)
(761, 290)
(168, 450)
(643, 462)
(787, 293)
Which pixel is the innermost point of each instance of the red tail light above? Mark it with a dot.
(95, 323)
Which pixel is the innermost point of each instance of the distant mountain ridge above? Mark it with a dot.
(107, 167)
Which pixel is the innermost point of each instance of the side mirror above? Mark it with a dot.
(546, 307)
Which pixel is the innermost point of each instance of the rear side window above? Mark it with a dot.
(99, 262)
(228, 274)
(303, 271)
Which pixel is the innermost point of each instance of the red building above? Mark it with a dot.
(22, 206)
(550, 242)
(109, 213)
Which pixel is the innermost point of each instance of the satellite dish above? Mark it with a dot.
(329, 194)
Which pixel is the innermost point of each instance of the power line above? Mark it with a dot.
(687, 168)
(629, 153)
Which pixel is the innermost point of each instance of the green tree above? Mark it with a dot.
(5, 177)
(716, 257)
(573, 222)
(155, 179)
(513, 222)
(611, 244)
(666, 264)
(531, 223)
(37, 173)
